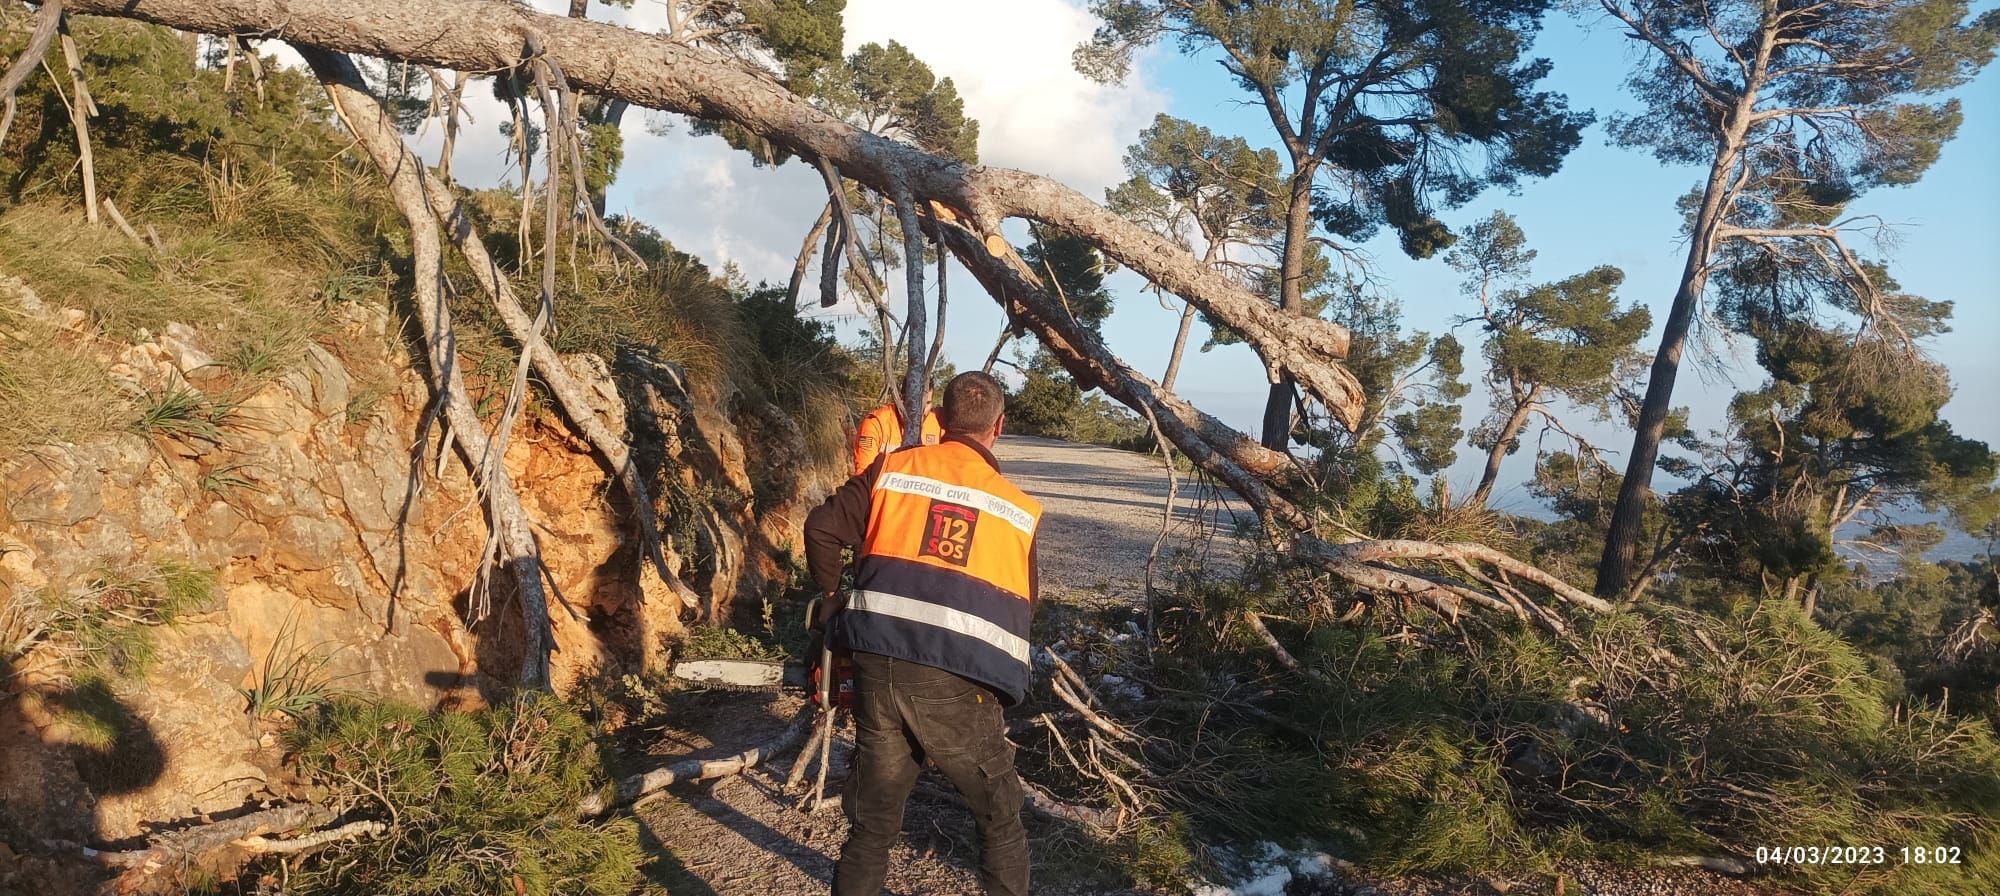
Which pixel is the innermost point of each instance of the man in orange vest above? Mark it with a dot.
(937, 621)
(882, 431)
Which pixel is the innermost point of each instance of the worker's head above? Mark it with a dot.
(973, 405)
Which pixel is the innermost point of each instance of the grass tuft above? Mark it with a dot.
(293, 681)
(182, 413)
(51, 390)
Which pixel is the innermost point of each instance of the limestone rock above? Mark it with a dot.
(327, 533)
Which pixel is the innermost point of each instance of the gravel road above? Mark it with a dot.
(1101, 513)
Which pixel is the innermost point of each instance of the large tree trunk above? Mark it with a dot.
(1292, 301)
(1621, 540)
(658, 72)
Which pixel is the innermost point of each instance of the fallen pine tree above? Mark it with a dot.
(967, 205)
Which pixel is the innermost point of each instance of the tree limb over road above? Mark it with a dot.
(659, 72)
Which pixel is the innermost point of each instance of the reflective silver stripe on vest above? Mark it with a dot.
(945, 618)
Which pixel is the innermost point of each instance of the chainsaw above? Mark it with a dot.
(766, 676)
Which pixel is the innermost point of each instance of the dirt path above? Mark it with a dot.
(1101, 512)
(747, 836)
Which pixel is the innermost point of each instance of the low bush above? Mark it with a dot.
(104, 628)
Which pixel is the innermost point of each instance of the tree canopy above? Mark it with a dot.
(1563, 340)
(1385, 111)
(1795, 109)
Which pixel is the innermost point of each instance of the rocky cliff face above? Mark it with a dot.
(333, 549)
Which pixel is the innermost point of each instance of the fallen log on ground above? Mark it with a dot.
(640, 785)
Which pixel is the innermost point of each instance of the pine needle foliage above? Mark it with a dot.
(1657, 732)
(476, 802)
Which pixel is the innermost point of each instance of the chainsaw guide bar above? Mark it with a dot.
(734, 674)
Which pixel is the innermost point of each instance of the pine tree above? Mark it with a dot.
(1384, 111)
(1188, 184)
(1794, 108)
(1563, 340)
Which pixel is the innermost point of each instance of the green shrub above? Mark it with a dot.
(1049, 404)
(1159, 854)
(478, 802)
(716, 641)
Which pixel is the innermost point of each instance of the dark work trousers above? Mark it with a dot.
(906, 712)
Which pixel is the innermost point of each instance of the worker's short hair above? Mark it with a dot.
(972, 403)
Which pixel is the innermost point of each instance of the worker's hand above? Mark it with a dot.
(829, 605)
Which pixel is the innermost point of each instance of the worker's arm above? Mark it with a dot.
(838, 524)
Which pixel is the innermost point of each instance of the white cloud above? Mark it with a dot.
(1010, 59)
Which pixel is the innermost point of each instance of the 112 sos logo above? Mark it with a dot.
(948, 534)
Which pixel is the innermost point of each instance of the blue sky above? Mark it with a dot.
(1608, 205)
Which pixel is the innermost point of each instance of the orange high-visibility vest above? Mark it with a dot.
(882, 431)
(943, 577)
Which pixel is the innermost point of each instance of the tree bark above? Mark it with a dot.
(1291, 300)
(993, 357)
(1621, 540)
(518, 552)
(81, 108)
(637, 786)
(659, 72)
(806, 253)
(47, 19)
(916, 379)
(943, 304)
(1180, 347)
(570, 395)
(844, 224)
(1498, 453)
